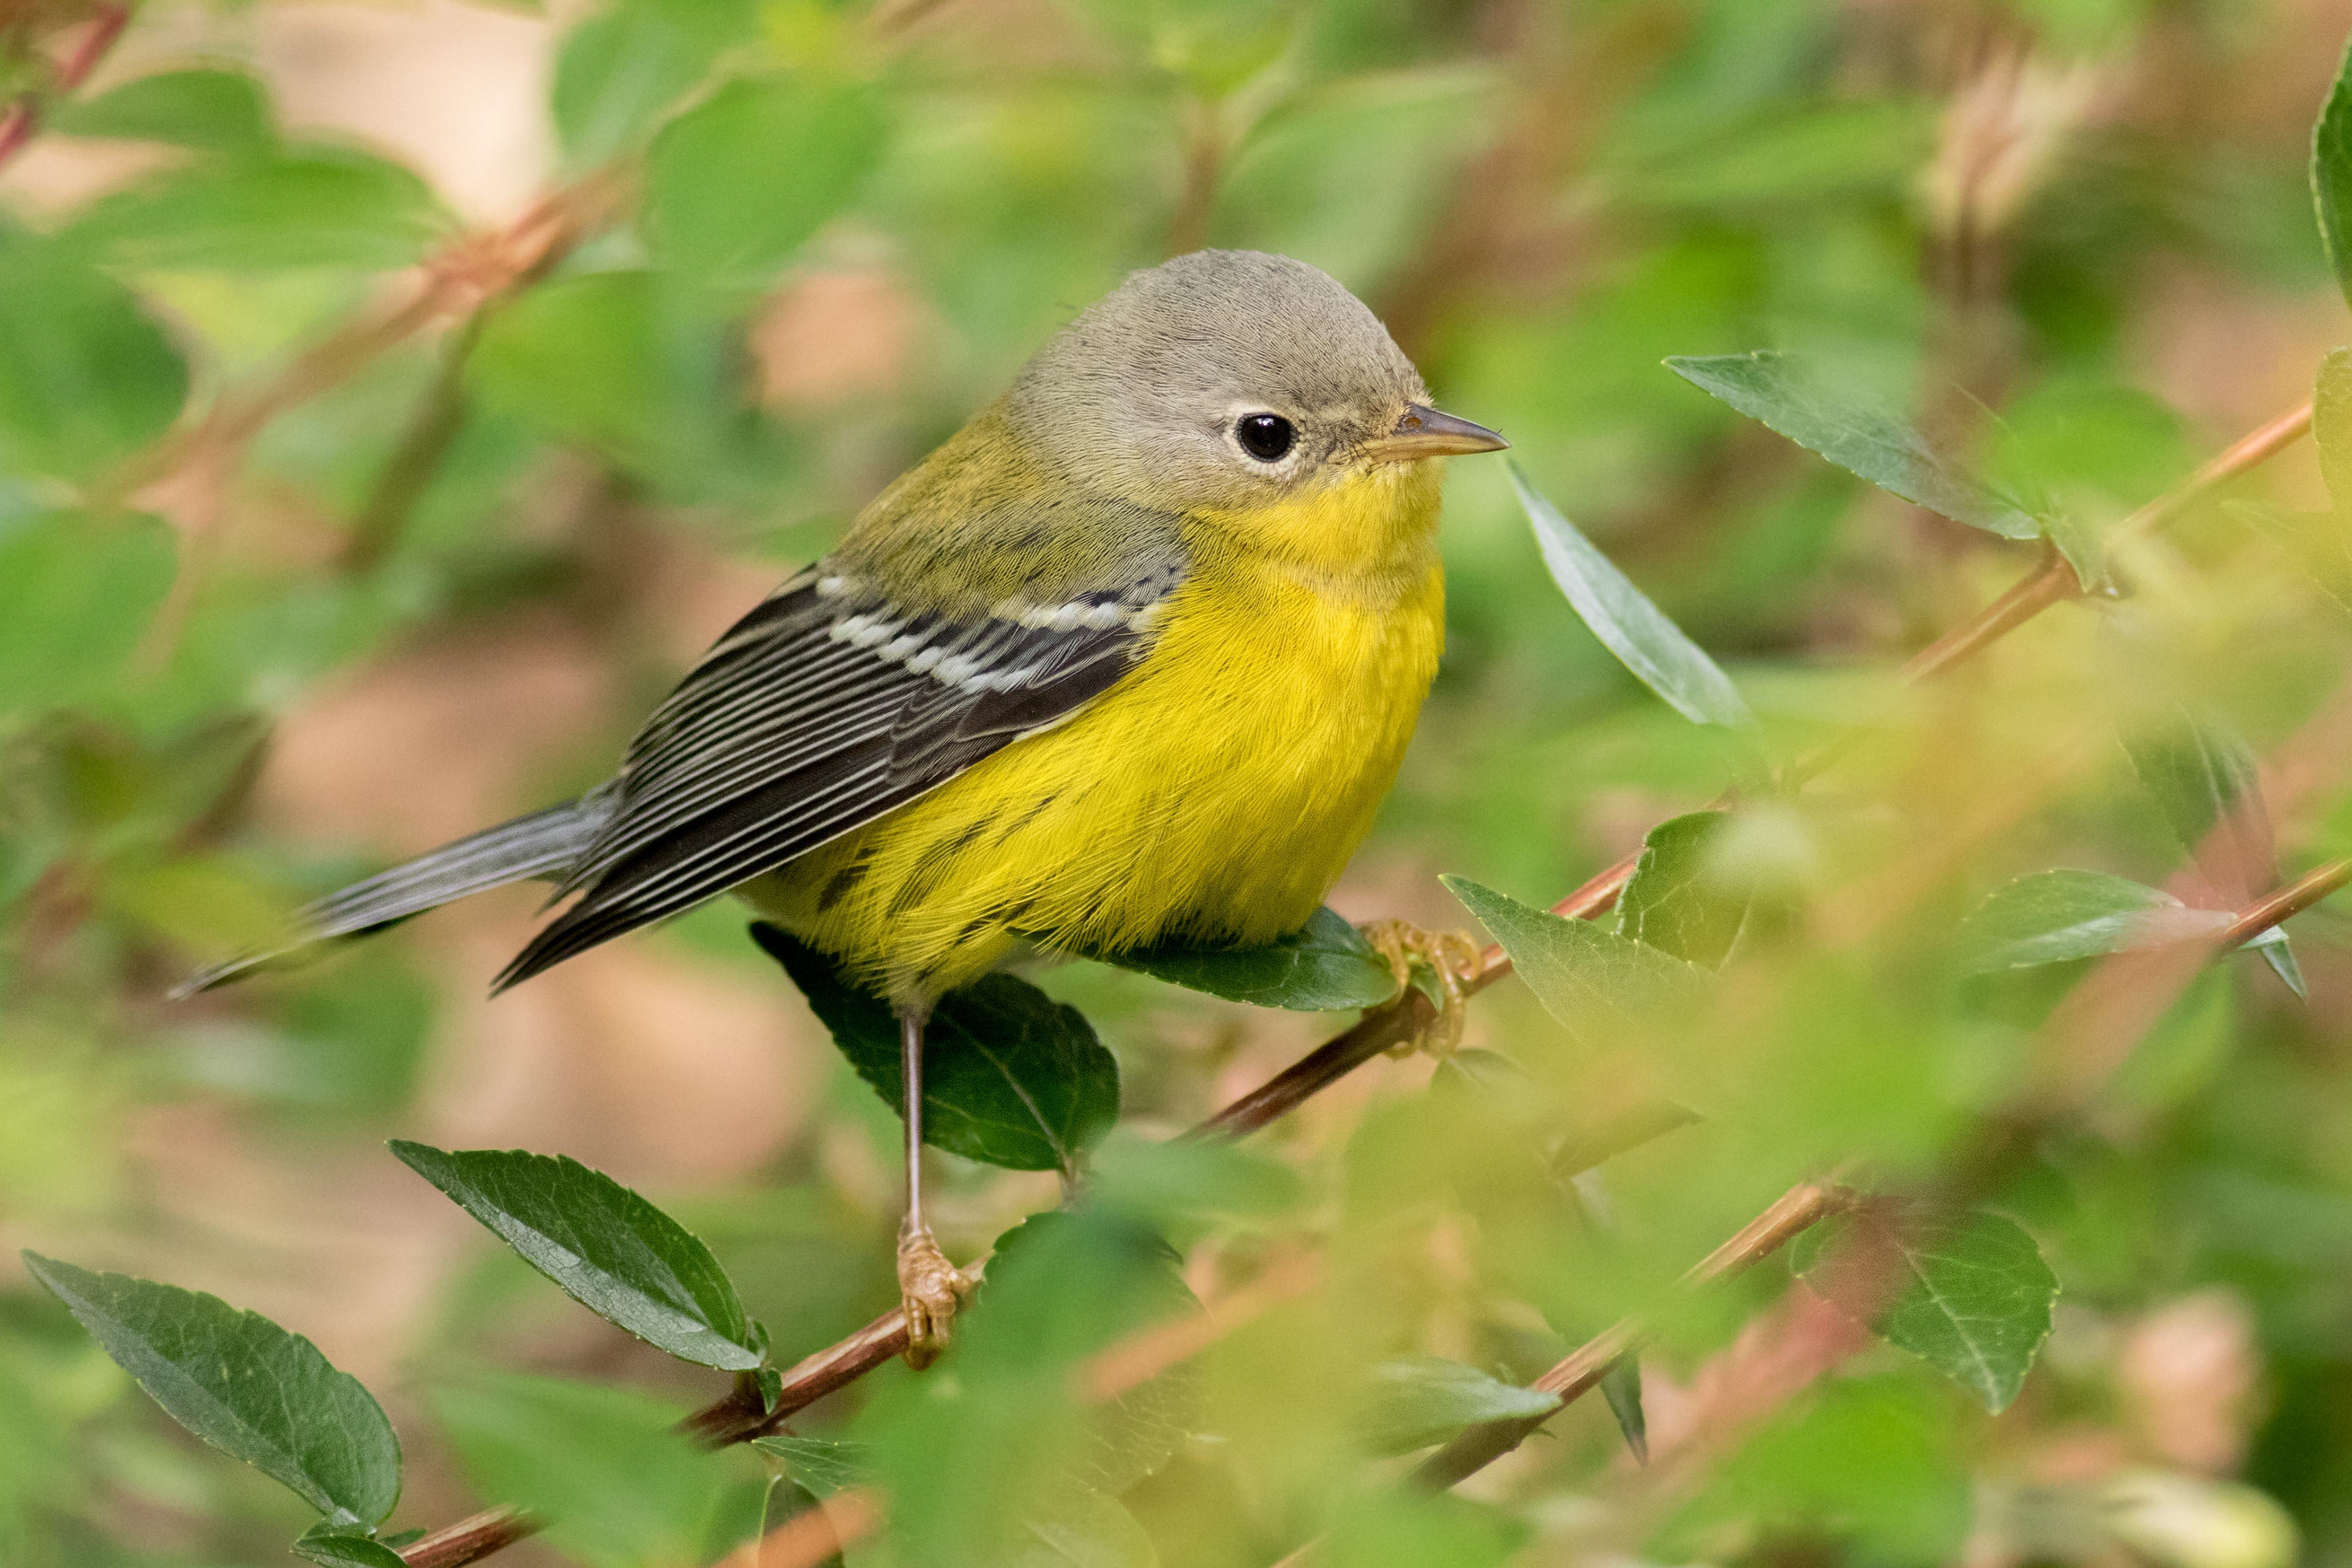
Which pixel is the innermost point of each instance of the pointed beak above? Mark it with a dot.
(1424, 432)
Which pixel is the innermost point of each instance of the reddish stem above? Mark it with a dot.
(22, 119)
(471, 1539)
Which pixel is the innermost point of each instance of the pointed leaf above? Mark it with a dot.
(2331, 174)
(1324, 966)
(619, 69)
(339, 1549)
(312, 207)
(207, 110)
(1011, 1077)
(86, 376)
(715, 208)
(785, 1500)
(1421, 1400)
(2052, 917)
(1080, 1527)
(1578, 972)
(1787, 395)
(1621, 1386)
(824, 1465)
(77, 592)
(2203, 775)
(616, 1484)
(245, 1385)
(610, 1249)
(1655, 649)
(2319, 544)
(1973, 1296)
(2276, 952)
(1674, 902)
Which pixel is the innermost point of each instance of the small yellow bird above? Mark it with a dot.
(1131, 658)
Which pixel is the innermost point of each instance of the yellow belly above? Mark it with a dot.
(1215, 794)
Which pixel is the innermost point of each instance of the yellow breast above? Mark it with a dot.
(1215, 794)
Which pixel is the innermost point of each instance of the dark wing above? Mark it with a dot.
(818, 711)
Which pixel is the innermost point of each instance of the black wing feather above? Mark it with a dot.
(817, 712)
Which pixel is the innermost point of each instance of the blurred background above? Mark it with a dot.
(440, 586)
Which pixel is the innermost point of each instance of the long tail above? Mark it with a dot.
(543, 843)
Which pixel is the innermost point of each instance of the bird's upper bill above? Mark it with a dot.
(1424, 432)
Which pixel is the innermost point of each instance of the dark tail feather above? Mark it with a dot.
(543, 843)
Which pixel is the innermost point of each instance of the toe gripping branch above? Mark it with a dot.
(1449, 958)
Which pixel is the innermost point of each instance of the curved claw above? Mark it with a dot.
(931, 1290)
(1451, 955)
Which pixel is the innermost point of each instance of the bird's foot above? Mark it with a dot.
(931, 1289)
(1450, 955)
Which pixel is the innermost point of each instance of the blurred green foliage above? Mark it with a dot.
(2033, 260)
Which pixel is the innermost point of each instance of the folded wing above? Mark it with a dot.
(822, 709)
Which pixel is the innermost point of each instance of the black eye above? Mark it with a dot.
(1266, 436)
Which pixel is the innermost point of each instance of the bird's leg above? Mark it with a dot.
(1451, 955)
(930, 1288)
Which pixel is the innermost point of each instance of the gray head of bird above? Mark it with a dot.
(1228, 379)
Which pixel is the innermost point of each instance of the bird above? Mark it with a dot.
(1131, 658)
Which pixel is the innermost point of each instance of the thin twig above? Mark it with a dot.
(1795, 1211)
(471, 1539)
(1791, 1214)
(456, 282)
(733, 1419)
(21, 120)
(2285, 904)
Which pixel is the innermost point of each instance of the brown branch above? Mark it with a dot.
(2053, 580)
(736, 1418)
(2285, 904)
(21, 120)
(456, 282)
(1794, 1212)
(471, 1539)
(1805, 1206)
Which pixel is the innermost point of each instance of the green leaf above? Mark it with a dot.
(85, 377)
(1080, 1527)
(785, 1501)
(1632, 628)
(1675, 901)
(623, 361)
(1011, 1077)
(1973, 1298)
(618, 1488)
(2318, 542)
(314, 207)
(2203, 775)
(1787, 394)
(2331, 430)
(340, 1549)
(735, 184)
(208, 111)
(1815, 153)
(1324, 966)
(610, 1249)
(824, 1465)
(1404, 1527)
(615, 72)
(1620, 1386)
(1420, 1400)
(1579, 973)
(243, 1385)
(77, 592)
(2052, 917)
(1177, 1182)
(2331, 174)
(2279, 953)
